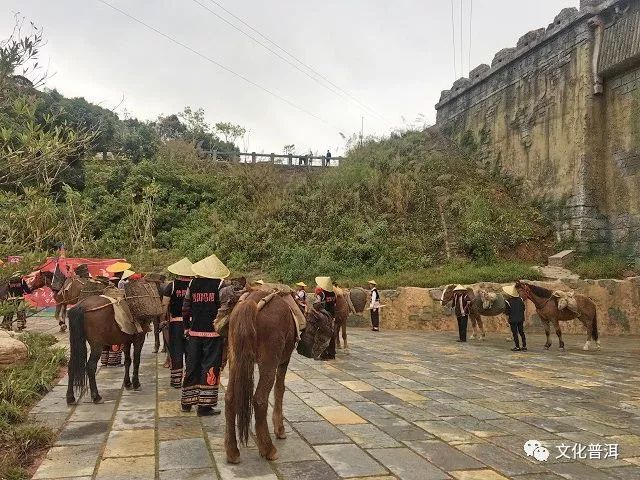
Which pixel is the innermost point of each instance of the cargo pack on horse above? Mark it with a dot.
(483, 304)
(262, 334)
(549, 309)
(94, 320)
(72, 291)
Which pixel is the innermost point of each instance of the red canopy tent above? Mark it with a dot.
(43, 297)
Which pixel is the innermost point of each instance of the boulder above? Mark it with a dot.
(12, 351)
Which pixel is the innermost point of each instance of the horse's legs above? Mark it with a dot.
(230, 439)
(481, 324)
(127, 364)
(71, 397)
(92, 365)
(474, 323)
(278, 393)
(336, 334)
(589, 326)
(260, 405)
(344, 335)
(138, 342)
(156, 334)
(559, 334)
(547, 331)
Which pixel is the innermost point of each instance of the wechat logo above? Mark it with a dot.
(533, 448)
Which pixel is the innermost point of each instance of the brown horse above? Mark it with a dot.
(476, 309)
(266, 337)
(73, 290)
(547, 308)
(93, 320)
(343, 308)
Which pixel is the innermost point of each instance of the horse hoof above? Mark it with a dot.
(128, 386)
(233, 460)
(155, 350)
(137, 387)
(598, 347)
(63, 328)
(483, 338)
(71, 401)
(473, 337)
(562, 349)
(98, 400)
(273, 455)
(585, 348)
(547, 347)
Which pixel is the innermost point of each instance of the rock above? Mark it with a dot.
(12, 351)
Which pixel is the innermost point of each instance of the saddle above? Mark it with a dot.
(566, 300)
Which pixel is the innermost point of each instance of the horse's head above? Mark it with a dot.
(522, 288)
(38, 279)
(447, 294)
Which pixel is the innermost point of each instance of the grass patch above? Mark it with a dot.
(20, 387)
(465, 273)
(604, 266)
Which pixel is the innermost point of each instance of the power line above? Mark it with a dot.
(214, 62)
(286, 52)
(453, 37)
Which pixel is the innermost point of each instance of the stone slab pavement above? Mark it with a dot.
(407, 405)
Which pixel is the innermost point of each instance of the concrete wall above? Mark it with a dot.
(618, 304)
(560, 110)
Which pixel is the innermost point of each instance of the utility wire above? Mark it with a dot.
(287, 53)
(214, 62)
(453, 37)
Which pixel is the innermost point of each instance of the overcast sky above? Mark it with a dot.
(392, 56)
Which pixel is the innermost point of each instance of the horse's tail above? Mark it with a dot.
(242, 350)
(78, 353)
(595, 326)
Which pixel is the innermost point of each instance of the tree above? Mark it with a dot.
(230, 131)
(137, 140)
(170, 128)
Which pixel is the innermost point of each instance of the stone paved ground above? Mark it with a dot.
(401, 405)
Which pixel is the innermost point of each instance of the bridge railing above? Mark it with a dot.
(290, 160)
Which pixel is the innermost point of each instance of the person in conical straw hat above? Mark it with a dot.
(205, 345)
(301, 296)
(116, 270)
(374, 306)
(173, 327)
(461, 306)
(326, 299)
(258, 283)
(515, 309)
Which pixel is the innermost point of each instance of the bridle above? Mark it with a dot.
(527, 292)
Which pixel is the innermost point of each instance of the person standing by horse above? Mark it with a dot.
(172, 300)
(375, 306)
(112, 354)
(301, 296)
(204, 345)
(515, 309)
(17, 288)
(461, 305)
(326, 297)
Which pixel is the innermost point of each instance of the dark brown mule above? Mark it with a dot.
(266, 337)
(547, 308)
(476, 310)
(93, 320)
(343, 309)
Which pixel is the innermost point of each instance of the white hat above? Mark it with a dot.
(182, 268)
(460, 288)
(210, 267)
(372, 282)
(126, 274)
(325, 283)
(511, 291)
(259, 282)
(301, 284)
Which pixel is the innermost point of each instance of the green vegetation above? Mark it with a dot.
(20, 387)
(604, 266)
(412, 207)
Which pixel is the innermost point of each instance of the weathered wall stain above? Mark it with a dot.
(562, 111)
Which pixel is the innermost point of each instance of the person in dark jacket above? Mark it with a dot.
(515, 310)
(17, 288)
(461, 304)
(326, 296)
(204, 345)
(172, 300)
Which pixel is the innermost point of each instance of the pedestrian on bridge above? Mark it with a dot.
(328, 158)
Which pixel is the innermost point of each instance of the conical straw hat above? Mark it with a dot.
(301, 284)
(511, 291)
(127, 273)
(210, 267)
(259, 282)
(460, 288)
(181, 268)
(325, 283)
(372, 282)
(118, 267)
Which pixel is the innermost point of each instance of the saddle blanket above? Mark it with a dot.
(124, 319)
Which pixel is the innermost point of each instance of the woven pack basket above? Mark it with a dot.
(143, 298)
(358, 298)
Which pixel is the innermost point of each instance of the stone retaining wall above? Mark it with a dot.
(411, 308)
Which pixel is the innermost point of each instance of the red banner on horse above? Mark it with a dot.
(97, 266)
